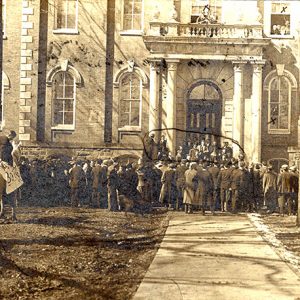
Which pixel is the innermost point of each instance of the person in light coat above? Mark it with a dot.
(190, 187)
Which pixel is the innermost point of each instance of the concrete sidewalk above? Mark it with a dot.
(216, 257)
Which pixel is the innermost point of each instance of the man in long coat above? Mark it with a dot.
(77, 183)
(96, 189)
(168, 189)
(295, 187)
(235, 185)
(284, 189)
(270, 189)
(180, 179)
(190, 187)
(112, 185)
(224, 182)
(204, 193)
(214, 170)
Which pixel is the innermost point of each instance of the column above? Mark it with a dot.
(153, 99)
(171, 105)
(238, 108)
(256, 112)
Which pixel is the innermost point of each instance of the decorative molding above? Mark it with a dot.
(285, 73)
(131, 69)
(64, 66)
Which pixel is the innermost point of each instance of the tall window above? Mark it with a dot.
(133, 15)
(130, 100)
(206, 11)
(279, 104)
(66, 14)
(63, 101)
(280, 18)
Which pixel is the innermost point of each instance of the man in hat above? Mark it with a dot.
(270, 189)
(6, 147)
(224, 182)
(295, 187)
(167, 194)
(112, 185)
(284, 190)
(95, 173)
(179, 177)
(204, 193)
(190, 187)
(77, 182)
(214, 171)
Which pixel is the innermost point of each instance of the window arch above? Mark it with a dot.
(130, 102)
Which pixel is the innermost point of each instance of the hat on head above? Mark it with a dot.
(293, 168)
(284, 167)
(12, 134)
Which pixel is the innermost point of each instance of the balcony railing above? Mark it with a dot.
(206, 30)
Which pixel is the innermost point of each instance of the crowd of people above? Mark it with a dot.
(202, 177)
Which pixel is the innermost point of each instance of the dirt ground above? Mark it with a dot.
(77, 253)
(285, 231)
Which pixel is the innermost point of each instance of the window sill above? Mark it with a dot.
(130, 128)
(279, 132)
(131, 32)
(65, 31)
(63, 128)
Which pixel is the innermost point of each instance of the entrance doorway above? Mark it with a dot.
(204, 111)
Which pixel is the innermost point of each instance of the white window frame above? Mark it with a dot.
(64, 126)
(279, 130)
(132, 31)
(66, 30)
(130, 127)
(4, 14)
(267, 19)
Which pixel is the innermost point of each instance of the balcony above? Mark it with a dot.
(177, 38)
(206, 30)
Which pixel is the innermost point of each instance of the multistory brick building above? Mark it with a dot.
(98, 75)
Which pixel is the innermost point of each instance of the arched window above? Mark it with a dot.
(279, 105)
(63, 80)
(130, 100)
(63, 100)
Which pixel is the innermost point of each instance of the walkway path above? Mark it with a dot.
(216, 257)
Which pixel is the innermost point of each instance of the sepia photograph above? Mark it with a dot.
(149, 150)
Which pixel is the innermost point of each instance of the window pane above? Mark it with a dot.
(138, 7)
(69, 91)
(68, 118)
(71, 18)
(58, 118)
(127, 6)
(135, 91)
(137, 22)
(69, 105)
(125, 106)
(135, 114)
(124, 119)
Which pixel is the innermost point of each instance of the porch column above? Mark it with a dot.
(171, 105)
(256, 111)
(153, 99)
(238, 107)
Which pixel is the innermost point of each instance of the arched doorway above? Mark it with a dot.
(204, 111)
